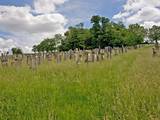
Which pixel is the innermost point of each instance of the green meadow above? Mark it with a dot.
(127, 87)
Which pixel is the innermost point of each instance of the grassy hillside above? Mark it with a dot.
(124, 88)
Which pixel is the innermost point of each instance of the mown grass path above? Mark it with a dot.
(124, 88)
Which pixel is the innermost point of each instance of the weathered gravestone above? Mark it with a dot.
(122, 49)
(65, 56)
(88, 56)
(4, 59)
(115, 51)
(102, 54)
(77, 56)
(125, 49)
(39, 58)
(108, 51)
(32, 61)
(17, 60)
(28, 59)
(71, 54)
(59, 57)
(94, 57)
(154, 52)
(49, 57)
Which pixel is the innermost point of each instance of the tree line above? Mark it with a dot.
(102, 33)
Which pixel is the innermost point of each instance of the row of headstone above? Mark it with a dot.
(78, 56)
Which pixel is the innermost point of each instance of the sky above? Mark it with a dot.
(24, 23)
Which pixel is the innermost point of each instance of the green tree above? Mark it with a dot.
(76, 37)
(16, 51)
(96, 31)
(139, 33)
(154, 33)
(49, 44)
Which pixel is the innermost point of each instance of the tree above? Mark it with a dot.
(49, 44)
(102, 33)
(34, 49)
(96, 31)
(154, 34)
(16, 51)
(139, 33)
(76, 37)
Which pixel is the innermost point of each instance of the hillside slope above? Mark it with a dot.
(124, 88)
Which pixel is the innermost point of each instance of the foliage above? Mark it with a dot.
(16, 51)
(154, 33)
(138, 32)
(102, 33)
(49, 44)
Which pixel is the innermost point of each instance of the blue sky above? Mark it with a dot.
(79, 10)
(84, 9)
(16, 2)
(24, 23)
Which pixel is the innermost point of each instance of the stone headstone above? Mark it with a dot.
(4, 59)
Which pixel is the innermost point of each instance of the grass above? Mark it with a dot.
(124, 88)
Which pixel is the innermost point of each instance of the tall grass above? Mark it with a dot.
(124, 88)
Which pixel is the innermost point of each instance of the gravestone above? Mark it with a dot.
(122, 49)
(49, 57)
(102, 54)
(88, 56)
(17, 60)
(38, 57)
(154, 52)
(71, 54)
(65, 56)
(28, 59)
(93, 56)
(4, 59)
(115, 51)
(119, 50)
(33, 64)
(125, 49)
(77, 56)
(110, 52)
(58, 57)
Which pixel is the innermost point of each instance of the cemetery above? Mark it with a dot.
(101, 70)
(33, 60)
(77, 84)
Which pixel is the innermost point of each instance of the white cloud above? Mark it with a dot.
(5, 43)
(46, 6)
(145, 12)
(27, 26)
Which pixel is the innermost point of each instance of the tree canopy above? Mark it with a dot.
(16, 51)
(102, 33)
